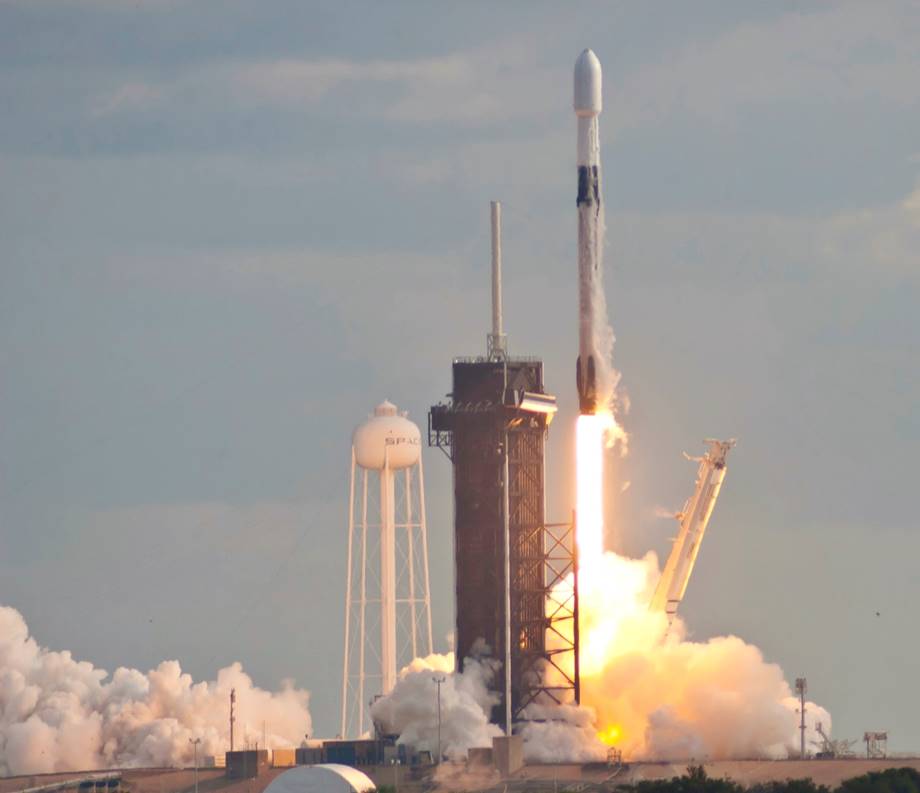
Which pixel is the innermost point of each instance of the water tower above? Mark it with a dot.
(388, 597)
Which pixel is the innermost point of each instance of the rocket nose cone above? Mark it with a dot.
(587, 84)
(588, 60)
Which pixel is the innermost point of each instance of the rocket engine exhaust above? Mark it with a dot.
(587, 105)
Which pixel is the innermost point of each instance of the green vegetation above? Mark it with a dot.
(694, 781)
(892, 780)
(790, 786)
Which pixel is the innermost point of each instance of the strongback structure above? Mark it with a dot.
(510, 565)
(693, 520)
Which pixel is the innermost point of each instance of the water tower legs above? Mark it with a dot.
(387, 580)
(387, 598)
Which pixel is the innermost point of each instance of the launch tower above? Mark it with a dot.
(507, 559)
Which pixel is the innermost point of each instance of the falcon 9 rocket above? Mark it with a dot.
(590, 228)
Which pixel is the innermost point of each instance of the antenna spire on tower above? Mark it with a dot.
(497, 341)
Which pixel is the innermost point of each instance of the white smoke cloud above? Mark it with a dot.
(59, 714)
(648, 691)
(561, 734)
(411, 709)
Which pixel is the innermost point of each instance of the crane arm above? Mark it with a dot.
(693, 520)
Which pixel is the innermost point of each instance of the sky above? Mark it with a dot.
(229, 229)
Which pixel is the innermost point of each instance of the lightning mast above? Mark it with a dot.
(693, 519)
(801, 687)
(232, 714)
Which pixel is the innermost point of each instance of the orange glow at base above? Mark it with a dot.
(610, 735)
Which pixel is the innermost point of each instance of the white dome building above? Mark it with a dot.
(328, 778)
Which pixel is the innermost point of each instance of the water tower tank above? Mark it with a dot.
(389, 437)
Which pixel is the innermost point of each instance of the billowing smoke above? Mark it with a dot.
(555, 734)
(59, 714)
(658, 696)
(411, 709)
(649, 692)
(561, 734)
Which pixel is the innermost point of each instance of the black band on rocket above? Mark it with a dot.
(588, 189)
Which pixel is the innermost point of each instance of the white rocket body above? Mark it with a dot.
(588, 104)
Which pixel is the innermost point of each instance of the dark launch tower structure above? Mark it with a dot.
(498, 407)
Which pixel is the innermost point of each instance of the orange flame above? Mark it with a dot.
(611, 734)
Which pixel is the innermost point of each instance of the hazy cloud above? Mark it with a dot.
(832, 53)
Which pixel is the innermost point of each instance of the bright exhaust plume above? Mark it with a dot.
(655, 695)
(590, 431)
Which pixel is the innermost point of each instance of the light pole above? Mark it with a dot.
(195, 744)
(438, 679)
(395, 762)
(801, 686)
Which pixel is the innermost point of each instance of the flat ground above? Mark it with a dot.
(746, 772)
(157, 780)
(459, 777)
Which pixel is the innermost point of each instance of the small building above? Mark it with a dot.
(508, 754)
(247, 763)
(328, 778)
(354, 753)
(310, 755)
(284, 758)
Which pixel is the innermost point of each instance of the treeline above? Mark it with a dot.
(891, 780)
